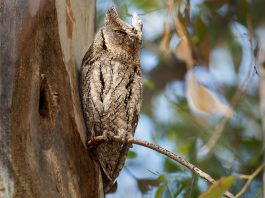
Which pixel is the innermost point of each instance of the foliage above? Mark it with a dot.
(219, 188)
(187, 38)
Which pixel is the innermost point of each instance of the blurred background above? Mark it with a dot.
(202, 68)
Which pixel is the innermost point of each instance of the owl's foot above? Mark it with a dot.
(108, 135)
(126, 138)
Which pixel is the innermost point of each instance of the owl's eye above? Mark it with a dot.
(120, 32)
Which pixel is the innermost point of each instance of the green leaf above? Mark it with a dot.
(213, 4)
(132, 155)
(162, 178)
(180, 189)
(236, 51)
(145, 4)
(171, 166)
(218, 188)
(160, 190)
(149, 84)
(145, 184)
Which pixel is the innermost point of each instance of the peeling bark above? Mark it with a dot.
(42, 132)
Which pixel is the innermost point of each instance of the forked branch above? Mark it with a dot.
(171, 155)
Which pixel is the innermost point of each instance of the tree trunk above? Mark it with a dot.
(262, 109)
(261, 66)
(42, 132)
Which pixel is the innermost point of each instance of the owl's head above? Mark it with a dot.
(119, 36)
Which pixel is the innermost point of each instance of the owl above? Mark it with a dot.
(111, 91)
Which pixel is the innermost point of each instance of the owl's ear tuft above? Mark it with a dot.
(111, 15)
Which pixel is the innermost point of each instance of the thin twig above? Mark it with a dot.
(171, 155)
(249, 180)
(215, 136)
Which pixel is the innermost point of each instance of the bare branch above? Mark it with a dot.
(171, 155)
(249, 178)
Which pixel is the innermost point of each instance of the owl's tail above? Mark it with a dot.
(111, 156)
(108, 186)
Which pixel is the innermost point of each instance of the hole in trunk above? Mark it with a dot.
(44, 100)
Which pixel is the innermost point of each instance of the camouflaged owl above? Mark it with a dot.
(111, 90)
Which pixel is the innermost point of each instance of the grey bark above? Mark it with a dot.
(262, 110)
(261, 71)
(42, 132)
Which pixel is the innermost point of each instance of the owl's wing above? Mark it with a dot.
(88, 55)
(85, 71)
(136, 98)
(112, 155)
(93, 53)
(95, 50)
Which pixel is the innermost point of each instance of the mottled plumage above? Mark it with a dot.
(111, 91)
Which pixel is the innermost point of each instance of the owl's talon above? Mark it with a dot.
(126, 138)
(108, 135)
(123, 138)
(129, 138)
